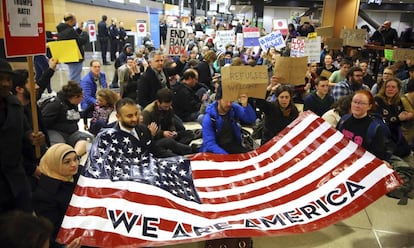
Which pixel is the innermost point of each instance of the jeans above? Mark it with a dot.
(75, 71)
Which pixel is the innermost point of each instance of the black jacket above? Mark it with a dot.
(61, 115)
(185, 101)
(66, 32)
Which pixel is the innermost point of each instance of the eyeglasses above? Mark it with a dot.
(360, 103)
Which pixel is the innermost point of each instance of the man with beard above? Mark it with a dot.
(134, 138)
(14, 188)
(21, 89)
(350, 85)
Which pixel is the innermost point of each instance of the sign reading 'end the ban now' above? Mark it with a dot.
(177, 41)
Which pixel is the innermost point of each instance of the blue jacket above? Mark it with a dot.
(89, 89)
(210, 130)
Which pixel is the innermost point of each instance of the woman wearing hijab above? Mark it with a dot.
(59, 168)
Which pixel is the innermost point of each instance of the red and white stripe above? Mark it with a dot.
(303, 164)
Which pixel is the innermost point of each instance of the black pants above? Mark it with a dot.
(234, 148)
(114, 49)
(169, 147)
(103, 42)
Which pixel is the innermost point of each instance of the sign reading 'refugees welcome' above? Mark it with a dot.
(248, 80)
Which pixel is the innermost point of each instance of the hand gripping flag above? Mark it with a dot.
(306, 178)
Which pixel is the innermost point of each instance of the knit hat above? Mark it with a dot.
(219, 53)
(53, 158)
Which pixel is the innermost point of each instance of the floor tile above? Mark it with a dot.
(394, 240)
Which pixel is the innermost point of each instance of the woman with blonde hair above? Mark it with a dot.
(205, 69)
(59, 168)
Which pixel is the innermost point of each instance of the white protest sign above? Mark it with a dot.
(274, 39)
(223, 38)
(313, 50)
(177, 41)
(239, 40)
(297, 48)
(281, 25)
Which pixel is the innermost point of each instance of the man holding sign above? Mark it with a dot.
(67, 32)
(221, 131)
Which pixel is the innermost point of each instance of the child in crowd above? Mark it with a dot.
(101, 111)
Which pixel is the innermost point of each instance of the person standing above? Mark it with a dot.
(114, 35)
(14, 186)
(122, 36)
(103, 37)
(385, 35)
(66, 31)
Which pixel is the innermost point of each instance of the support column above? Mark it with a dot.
(258, 9)
(340, 14)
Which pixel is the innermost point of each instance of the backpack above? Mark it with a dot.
(406, 190)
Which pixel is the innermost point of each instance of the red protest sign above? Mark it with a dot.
(24, 28)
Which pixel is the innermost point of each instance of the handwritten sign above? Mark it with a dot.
(239, 40)
(334, 43)
(224, 38)
(297, 47)
(291, 70)
(306, 47)
(353, 37)
(326, 73)
(177, 41)
(274, 39)
(403, 54)
(312, 35)
(325, 31)
(248, 80)
(65, 51)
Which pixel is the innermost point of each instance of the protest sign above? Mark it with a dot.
(177, 41)
(239, 40)
(248, 80)
(312, 35)
(291, 70)
(297, 47)
(281, 25)
(326, 73)
(334, 43)
(313, 49)
(389, 54)
(224, 38)
(353, 37)
(325, 31)
(65, 51)
(251, 37)
(403, 54)
(304, 19)
(274, 39)
(23, 28)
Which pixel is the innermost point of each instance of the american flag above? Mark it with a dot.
(304, 179)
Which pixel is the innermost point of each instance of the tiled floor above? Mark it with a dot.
(384, 224)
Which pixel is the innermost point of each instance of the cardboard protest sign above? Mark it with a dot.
(312, 35)
(403, 54)
(389, 54)
(325, 31)
(304, 19)
(274, 39)
(224, 38)
(248, 80)
(334, 43)
(291, 70)
(326, 73)
(353, 37)
(65, 51)
(177, 41)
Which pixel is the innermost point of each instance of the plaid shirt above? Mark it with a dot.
(344, 88)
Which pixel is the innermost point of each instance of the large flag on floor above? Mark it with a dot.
(306, 178)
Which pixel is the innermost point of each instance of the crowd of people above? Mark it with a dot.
(158, 94)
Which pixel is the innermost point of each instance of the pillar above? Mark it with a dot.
(340, 14)
(258, 9)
